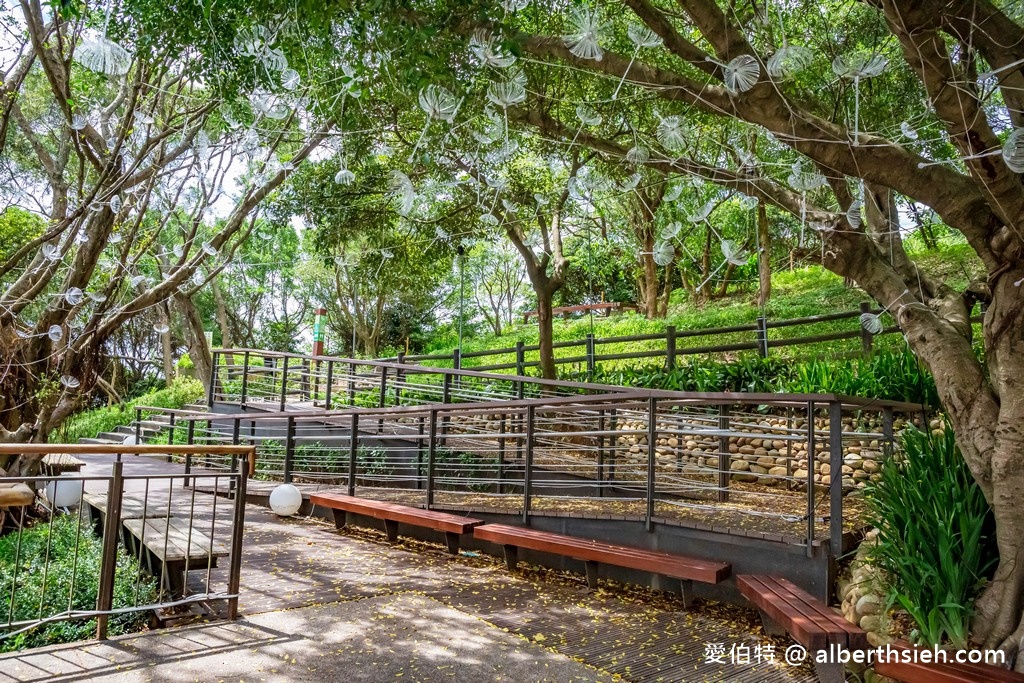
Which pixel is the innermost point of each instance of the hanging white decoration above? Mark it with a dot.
(115, 203)
(541, 199)
(664, 252)
(1013, 150)
(733, 254)
(908, 131)
(853, 216)
(855, 67)
(74, 296)
(587, 27)
(671, 230)
(70, 382)
(344, 176)
(740, 74)
(438, 103)
(642, 37)
(701, 214)
(102, 55)
(488, 50)
(290, 79)
(160, 328)
(515, 5)
(97, 297)
(637, 155)
(79, 122)
(137, 280)
(788, 59)
(55, 333)
(871, 322)
(588, 116)
(673, 192)
(672, 133)
(401, 187)
(251, 41)
(507, 93)
(489, 219)
(630, 183)
(209, 249)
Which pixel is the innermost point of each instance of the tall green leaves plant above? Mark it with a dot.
(936, 539)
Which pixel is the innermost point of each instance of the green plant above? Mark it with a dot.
(936, 534)
(89, 423)
(185, 362)
(68, 556)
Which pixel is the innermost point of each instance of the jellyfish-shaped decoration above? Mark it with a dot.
(507, 93)
(344, 176)
(642, 37)
(583, 41)
(672, 193)
(856, 67)
(908, 131)
(664, 252)
(79, 122)
(740, 74)
(871, 322)
(671, 230)
(488, 50)
(438, 103)
(161, 328)
(638, 155)
(101, 54)
(401, 187)
(733, 254)
(672, 133)
(70, 381)
(853, 216)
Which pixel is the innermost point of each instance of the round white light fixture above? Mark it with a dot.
(285, 500)
(64, 494)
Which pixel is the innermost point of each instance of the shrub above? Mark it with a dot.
(185, 390)
(936, 535)
(63, 572)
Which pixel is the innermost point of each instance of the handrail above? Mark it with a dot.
(104, 449)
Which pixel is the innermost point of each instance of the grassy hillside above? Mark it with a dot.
(795, 294)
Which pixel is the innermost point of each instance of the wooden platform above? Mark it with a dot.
(170, 546)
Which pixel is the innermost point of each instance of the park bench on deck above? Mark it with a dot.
(393, 514)
(171, 544)
(95, 505)
(948, 672)
(593, 553)
(785, 608)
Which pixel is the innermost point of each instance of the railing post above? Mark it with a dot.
(835, 489)
(724, 456)
(670, 347)
(501, 451)
(399, 376)
(590, 356)
(811, 459)
(600, 454)
(456, 359)
(138, 426)
(383, 387)
(866, 338)
(190, 438)
(528, 472)
(431, 450)
(520, 367)
(330, 384)
(245, 379)
(352, 384)
(108, 556)
(213, 381)
(170, 433)
(235, 563)
(305, 369)
(420, 426)
(887, 426)
(284, 381)
(353, 449)
(652, 440)
(289, 450)
(762, 336)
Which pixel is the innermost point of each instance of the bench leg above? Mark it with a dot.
(511, 557)
(452, 539)
(771, 627)
(687, 591)
(591, 574)
(340, 518)
(391, 529)
(832, 672)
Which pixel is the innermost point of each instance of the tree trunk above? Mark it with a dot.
(165, 345)
(195, 336)
(222, 321)
(545, 333)
(764, 257)
(649, 281)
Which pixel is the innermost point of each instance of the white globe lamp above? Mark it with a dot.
(285, 500)
(64, 494)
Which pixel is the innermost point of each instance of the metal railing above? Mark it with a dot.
(725, 460)
(111, 545)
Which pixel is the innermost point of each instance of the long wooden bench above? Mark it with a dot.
(171, 546)
(947, 672)
(394, 514)
(594, 553)
(786, 608)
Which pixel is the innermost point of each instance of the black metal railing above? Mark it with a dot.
(117, 543)
(780, 463)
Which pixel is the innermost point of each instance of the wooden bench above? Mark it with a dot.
(95, 505)
(948, 672)
(393, 514)
(786, 608)
(594, 553)
(169, 547)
